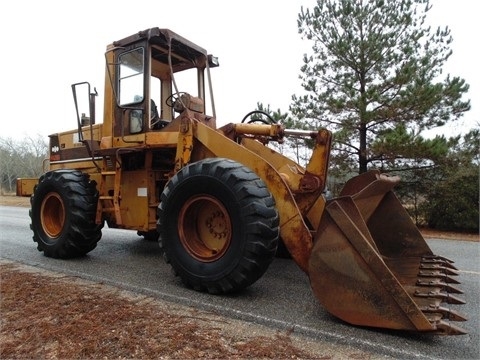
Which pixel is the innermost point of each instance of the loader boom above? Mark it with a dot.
(220, 200)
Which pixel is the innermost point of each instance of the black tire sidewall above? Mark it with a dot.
(79, 196)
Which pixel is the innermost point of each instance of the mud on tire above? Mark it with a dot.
(63, 210)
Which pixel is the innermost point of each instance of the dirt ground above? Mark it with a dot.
(47, 315)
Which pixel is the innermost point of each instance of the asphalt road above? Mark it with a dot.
(282, 298)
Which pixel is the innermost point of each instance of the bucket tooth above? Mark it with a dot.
(453, 290)
(447, 314)
(443, 269)
(438, 260)
(438, 275)
(438, 257)
(438, 283)
(444, 328)
(450, 299)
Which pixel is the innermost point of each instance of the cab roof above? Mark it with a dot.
(185, 54)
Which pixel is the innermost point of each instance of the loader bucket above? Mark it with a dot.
(370, 266)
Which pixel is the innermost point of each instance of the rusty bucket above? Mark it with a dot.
(370, 266)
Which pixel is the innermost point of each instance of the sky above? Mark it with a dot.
(50, 44)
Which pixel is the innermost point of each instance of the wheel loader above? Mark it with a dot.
(220, 200)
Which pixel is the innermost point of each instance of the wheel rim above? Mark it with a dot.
(205, 228)
(52, 215)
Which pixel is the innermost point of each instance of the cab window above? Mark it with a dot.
(131, 69)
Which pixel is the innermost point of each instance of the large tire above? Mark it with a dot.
(218, 226)
(63, 210)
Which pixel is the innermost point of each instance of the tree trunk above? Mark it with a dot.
(362, 153)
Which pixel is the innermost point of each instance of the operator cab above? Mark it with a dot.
(155, 75)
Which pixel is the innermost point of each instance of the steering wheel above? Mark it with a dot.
(270, 119)
(172, 99)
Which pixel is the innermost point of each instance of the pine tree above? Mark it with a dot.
(375, 66)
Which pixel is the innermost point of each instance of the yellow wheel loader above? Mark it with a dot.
(219, 200)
